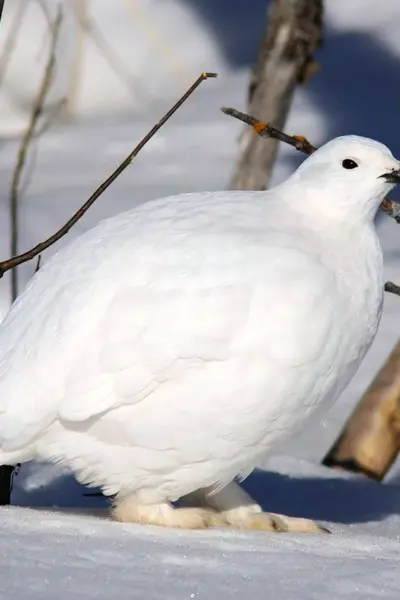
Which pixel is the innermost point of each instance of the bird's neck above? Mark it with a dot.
(347, 237)
(328, 209)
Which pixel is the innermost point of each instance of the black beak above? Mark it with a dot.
(392, 176)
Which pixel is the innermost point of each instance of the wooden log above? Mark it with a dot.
(370, 440)
(293, 33)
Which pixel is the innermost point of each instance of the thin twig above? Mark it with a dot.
(53, 112)
(11, 263)
(25, 146)
(267, 131)
(38, 263)
(303, 145)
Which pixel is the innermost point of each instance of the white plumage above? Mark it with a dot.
(164, 351)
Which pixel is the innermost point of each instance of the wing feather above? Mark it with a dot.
(149, 336)
(183, 312)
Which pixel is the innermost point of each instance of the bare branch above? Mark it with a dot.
(265, 130)
(11, 263)
(37, 111)
(303, 145)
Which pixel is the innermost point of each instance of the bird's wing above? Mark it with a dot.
(167, 333)
(86, 345)
(148, 337)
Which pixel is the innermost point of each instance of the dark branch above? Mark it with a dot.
(267, 131)
(38, 263)
(303, 145)
(11, 263)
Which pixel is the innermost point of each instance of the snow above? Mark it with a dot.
(58, 542)
(89, 557)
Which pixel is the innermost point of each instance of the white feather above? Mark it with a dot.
(170, 346)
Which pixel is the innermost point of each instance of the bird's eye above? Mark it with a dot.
(349, 163)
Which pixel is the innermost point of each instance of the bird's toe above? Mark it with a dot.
(296, 524)
(277, 523)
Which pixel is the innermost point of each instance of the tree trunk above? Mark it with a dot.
(370, 441)
(294, 32)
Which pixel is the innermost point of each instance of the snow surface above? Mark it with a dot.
(74, 550)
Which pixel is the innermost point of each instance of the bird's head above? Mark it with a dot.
(348, 177)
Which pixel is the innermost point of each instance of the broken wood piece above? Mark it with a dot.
(370, 441)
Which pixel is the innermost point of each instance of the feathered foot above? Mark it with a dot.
(126, 510)
(265, 521)
(239, 510)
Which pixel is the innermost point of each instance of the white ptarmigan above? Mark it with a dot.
(161, 354)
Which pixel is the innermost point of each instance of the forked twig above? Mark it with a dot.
(6, 265)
